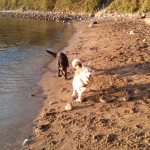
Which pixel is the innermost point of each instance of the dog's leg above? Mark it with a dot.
(59, 73)
(80, 91)
(65, 73)
(73, 94)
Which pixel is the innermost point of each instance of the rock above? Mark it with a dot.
(144, 40)
(127, 98)
(105, 100)
(82, 31)
(50, 103)
(26, 142)
(69, 106)
(91, 25)
(131, 32)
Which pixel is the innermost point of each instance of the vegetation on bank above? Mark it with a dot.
(130, 6)
(51, 5)
(119, 6)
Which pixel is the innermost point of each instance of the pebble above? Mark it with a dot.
(26, 142)
(50, 103)
(131, 32)
(105, 100)
(69, 106)
(144, 40)
(127, 98)
(91, 25)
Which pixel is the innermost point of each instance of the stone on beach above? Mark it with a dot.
(105, 100)
(26, 142)
(127, 98)
(51, 103)
(69, 106)
(91, 25)
(131, 32)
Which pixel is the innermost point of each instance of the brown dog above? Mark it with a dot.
(61, 63)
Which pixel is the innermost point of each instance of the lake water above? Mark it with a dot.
(22, 62)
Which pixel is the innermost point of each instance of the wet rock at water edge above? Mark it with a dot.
(26, 142)
(69, 106)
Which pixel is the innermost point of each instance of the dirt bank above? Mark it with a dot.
(121, 60)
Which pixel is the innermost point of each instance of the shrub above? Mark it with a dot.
(146, 6)
(129, 6)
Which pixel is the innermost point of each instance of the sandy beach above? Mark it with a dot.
(115, 109)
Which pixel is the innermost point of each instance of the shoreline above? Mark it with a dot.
(51, 74)
(49, 16)
(121, 62)
(69, 17)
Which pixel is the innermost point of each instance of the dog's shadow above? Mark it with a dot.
(117, 92)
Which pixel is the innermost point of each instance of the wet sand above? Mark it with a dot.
(121, 60)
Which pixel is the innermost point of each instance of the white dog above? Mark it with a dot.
(82, 77)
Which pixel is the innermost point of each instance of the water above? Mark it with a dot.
(22, 62)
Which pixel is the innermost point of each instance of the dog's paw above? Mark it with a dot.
(73, 98)
(77, 101)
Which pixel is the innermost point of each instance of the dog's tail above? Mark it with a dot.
(52, 53)
(76, 63)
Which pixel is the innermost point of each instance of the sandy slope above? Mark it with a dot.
(122, 67)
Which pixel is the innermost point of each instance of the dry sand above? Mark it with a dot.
(122, 68)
